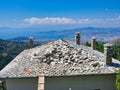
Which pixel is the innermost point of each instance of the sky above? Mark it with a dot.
(59, 14)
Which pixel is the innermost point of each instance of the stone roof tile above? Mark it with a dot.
(58, 58)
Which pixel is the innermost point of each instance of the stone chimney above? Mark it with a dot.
(93, 43)
(31, 42)
(41, 82)
(77, 38)
(108, 53)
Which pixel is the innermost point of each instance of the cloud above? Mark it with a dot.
(51, 20)
(80, 21)
(68, 21)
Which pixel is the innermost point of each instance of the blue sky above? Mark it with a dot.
(47, 14)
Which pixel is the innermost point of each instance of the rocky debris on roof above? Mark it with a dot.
(58, 58)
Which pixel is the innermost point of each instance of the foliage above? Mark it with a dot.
(116, 52)
(118, 80)
(87, 44)
(100, 47)
(8, 51)
(1, 88)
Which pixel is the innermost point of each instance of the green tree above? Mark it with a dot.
(100, 47)
(87, 44)
(9, 50)
(118, 80)
(116, 52)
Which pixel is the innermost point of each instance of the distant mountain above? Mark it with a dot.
(19, 38)
(102, 34)
(25, 40)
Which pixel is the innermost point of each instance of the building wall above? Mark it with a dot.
(93, 82)
(22, 84)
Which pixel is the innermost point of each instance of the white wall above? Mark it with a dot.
(22, 84)
(102, 82)
(91, 82)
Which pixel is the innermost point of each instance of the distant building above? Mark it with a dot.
(61, 65)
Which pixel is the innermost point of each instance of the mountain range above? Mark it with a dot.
(101, 34)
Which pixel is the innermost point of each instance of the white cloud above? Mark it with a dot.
(83, 21)
(51, 20)
(67, 21)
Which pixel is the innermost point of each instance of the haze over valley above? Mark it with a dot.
(101, 34)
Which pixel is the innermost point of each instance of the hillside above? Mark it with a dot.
(8, 51)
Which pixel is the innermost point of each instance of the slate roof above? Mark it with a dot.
(58, 58)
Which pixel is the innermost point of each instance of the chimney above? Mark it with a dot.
(31, 42)
(77, 38)
(41, 82)
(108, 53)
(93, 43)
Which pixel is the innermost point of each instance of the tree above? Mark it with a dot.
(118, 80)
(88, 44)
(100, 47)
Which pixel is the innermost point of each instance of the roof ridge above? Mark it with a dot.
(57, 58)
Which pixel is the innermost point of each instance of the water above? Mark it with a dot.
(102, 34)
